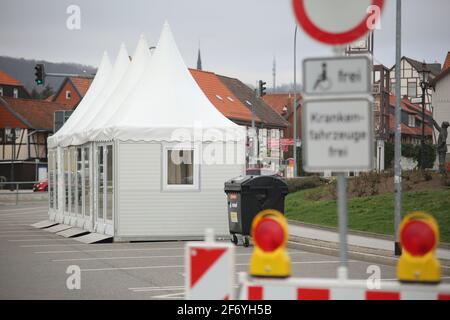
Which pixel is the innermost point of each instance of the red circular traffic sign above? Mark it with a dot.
(316, 28)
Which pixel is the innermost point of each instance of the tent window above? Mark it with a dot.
(180, 167)
(79, 182)
(87, 183)
(100, 182)
(56, 159)
(51, 169)
(109, 182)
(73, 180)
(66, 180)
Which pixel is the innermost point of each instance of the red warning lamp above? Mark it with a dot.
(419, 237)
(270, 235)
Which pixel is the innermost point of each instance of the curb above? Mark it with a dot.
(354, 232)
(354, 252)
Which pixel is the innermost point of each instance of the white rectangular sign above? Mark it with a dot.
(337, 135)
(337, 75)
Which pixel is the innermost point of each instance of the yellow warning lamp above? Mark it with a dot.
(419, 237)
(270, 235)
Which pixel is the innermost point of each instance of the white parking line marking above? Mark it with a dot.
(108, 250)
(5, 231)
(25, 208)
(141, 257)
(24, 235)
(178, 296)
(164, 288)
(182, 266)
(24, 240)
(31, 213)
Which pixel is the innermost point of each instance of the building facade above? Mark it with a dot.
(25, 125)
(11, 87)
(441, 99)
(72, 90)
(411, 74)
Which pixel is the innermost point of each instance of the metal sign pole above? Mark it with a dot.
(294, 108)
(342, 218)
(397, 142)
(342, 272)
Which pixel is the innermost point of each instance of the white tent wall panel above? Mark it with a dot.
(146, 211)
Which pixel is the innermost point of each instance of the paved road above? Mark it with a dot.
(33, 263)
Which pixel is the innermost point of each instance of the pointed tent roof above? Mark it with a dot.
(135, 71)
(76, 136)
(101, 77)
(167, 98)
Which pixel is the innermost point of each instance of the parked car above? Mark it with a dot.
(41, 186)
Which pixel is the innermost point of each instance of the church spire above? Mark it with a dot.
(199, 59)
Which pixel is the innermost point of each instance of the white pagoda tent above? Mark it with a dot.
(149, 157)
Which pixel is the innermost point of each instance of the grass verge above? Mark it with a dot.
(372, 214)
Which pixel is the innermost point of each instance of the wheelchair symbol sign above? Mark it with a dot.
(337, 75)
(322, 82)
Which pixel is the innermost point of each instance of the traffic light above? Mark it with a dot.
(419, 237)
(269, 233)
(262, 88)
(40, 74)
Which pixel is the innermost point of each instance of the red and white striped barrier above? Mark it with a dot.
(209, 271)
(332, 289)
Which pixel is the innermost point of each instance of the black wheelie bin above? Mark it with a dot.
(246, 197)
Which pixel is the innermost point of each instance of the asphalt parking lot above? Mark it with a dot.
(33, 263)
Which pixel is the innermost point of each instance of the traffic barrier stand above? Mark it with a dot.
(209, 269)
(251, 288)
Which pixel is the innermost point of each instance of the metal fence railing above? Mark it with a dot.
(17, 188)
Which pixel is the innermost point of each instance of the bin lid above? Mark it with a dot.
(250, 182)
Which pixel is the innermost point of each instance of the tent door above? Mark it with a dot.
(104, 210)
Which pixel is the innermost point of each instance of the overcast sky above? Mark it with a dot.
(238, 38)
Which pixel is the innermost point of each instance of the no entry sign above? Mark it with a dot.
(337, 21)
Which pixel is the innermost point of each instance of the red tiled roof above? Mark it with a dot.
(82, 84)
(50, 98)
(228, 104)
(416, 131)
(8, 80)
(446, 62)
(277, 101)
(408, 106)
(35, 114)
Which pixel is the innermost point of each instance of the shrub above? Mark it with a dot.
(429, 155)
(297, 184)
(366, 184)
(445, 180)
(410, 151)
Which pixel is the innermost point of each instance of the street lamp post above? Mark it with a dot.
(295, 103)
(424, 85)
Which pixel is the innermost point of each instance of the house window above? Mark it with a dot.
(180, 169)
(411, 121)
(15, 93)
(1, 91)
(412, 89)
(68, 95)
